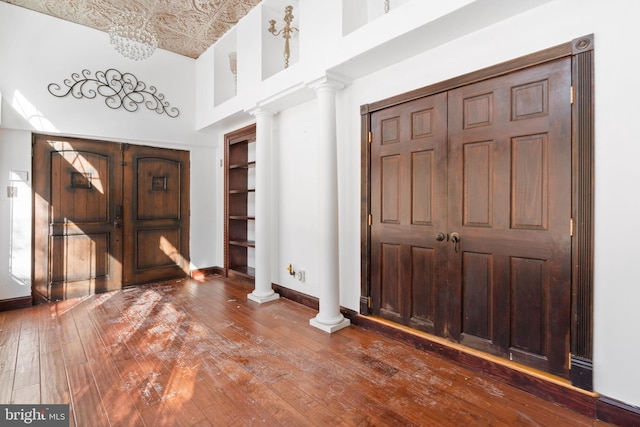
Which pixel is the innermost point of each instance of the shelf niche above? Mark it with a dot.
(358, 13)
(225, 61)
(239, 232)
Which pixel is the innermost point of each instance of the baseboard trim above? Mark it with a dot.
(16, 303)
(615, 412)
(311, 301)
(299, 297)
(200, 273)
(582, 373)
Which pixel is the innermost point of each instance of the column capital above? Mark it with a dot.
(330, 80)
(259, 110)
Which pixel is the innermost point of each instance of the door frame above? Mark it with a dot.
(581, 51)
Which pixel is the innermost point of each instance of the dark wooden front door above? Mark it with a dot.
(77, 247)
(500, 280)
(91, 234)
(156, 230)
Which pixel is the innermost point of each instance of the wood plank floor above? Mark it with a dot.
(197, 353)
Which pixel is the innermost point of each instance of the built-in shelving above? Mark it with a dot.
(240, 202)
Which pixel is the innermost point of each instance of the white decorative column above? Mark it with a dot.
(329, 318)
(263, 292)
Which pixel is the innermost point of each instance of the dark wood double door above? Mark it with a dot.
(107, 215)
(471, 215)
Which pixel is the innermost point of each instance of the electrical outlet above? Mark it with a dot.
(12, 192)
(300, 275)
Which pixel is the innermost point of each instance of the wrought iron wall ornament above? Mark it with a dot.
(120, 90)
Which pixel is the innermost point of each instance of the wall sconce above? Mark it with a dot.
(285, 31)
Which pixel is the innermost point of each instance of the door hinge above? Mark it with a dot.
(370, 137)
(370, 219)
(572, 95)
(571, 227)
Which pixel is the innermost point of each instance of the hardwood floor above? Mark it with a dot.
(197, 353)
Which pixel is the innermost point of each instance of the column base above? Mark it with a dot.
(329, 328)
(261, 299)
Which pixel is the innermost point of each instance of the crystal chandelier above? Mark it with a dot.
(130, 36)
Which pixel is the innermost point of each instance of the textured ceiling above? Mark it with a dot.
(186, 27)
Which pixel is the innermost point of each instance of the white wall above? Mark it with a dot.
(296, 148)
(36, 50)
(475, 38)
(15, 215)
(616, 372)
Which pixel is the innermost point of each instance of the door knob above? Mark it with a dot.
(440, 237)
(455, 238)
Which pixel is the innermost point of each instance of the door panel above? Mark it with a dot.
(78, 250)
(408, 176)
(158, 188)
(390, 290)
(391, 187)
(509, 198)
(478, 289)
(156, 228)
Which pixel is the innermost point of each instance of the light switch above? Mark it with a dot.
(12, 191)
